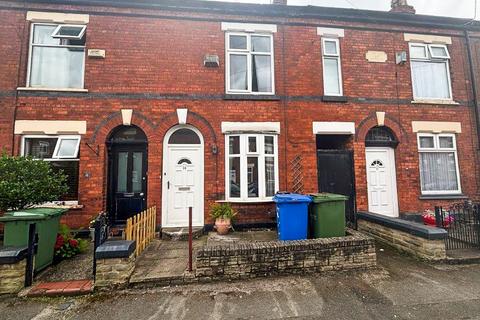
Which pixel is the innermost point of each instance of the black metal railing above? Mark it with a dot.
(101, 235)
(462, 222)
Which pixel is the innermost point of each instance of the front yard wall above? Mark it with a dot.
(242, 261)
(162, 70)
(12, 277)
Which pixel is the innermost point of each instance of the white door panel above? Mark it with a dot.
(381, 181)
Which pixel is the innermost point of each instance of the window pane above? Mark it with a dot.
(332, 79)
(234, 171)
(43, 35)
(261, 74)
(234, 143)
(252, 177)
(260, 44)
(269, 176)
(67, 148)
(122, 172)
(184, 136)
(439, 52)
(330, 47)
(40, 148)
(446, 142)
(430, 80)
(252, 144)
(69, 31)
(426, 142)
(57, 67)
(418, 52)
(238, 72)
(238, 42)
(70, 169)
(438, 171)
(137, 172)
(269, 145)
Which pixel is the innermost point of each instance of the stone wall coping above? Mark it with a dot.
(353, 238)
(115, 249)
(11, 255)
(411, 227)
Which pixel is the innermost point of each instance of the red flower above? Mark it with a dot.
(59, 242)
(73, 242)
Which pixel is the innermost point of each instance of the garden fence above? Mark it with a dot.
(141, 228)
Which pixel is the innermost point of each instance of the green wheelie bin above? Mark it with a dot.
(327, 215)
(16, 231)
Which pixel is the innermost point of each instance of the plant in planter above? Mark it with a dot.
(67, 246)
(429, 218)
(223, 214)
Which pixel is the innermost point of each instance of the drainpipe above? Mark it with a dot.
(474, 84)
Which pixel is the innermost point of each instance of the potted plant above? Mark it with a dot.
(223, 215)
(429, 218)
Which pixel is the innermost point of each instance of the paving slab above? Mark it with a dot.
(62, 288)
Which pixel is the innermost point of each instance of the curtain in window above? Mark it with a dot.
(261, 74)
(438, 171)
(430, 79)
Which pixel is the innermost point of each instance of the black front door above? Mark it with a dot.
(128, 181)
(335, 175)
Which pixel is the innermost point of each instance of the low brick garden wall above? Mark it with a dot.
(422, 241)
(12, 269)
(242, 261)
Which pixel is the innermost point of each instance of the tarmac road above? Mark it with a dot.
(401, 288)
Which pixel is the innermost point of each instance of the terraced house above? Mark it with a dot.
(185, 103)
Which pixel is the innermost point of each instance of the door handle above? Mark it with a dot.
(168, 184)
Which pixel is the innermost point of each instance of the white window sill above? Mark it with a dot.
(434, 101)
(52, 89)
(60, 204)
(240, 201)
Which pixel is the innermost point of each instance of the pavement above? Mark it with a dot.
(400, 288)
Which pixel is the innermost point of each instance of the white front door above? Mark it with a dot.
(382, 181)
(183, 186)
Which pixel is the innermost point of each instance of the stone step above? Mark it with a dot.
(62, 288)
(181, 234)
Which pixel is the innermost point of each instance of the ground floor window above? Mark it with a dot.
(439, 172)
(251, 167)
(61, 152)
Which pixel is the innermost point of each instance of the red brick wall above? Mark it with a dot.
(155, 65)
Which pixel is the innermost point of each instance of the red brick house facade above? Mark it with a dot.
(172, 103)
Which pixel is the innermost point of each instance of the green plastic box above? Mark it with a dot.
(16, 231)
(327, 215)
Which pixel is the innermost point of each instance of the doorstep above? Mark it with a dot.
(61, 288)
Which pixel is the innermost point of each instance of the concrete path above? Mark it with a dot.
(401, 288)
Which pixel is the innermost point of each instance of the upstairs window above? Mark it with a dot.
(57, 56)
(61, 152)
(332, 71)
(249, 63)
(430, 71)
(438, 164)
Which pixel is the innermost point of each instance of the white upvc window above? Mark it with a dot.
(56, 56)
(430, 71)
(251, 167)
(62, 153)
(332, 69)
(249, 63)
(439, 172)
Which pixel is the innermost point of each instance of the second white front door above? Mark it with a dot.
(183, 183)
(382, 181)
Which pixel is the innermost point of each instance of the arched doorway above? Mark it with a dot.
(183, 173)
(127, 173)
(380, 144)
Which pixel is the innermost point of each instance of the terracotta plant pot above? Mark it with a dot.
(223, 225)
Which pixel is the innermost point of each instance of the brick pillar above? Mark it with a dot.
(115, 263)
(12, 269)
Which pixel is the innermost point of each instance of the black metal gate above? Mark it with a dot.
(462, 222)
(336, 175)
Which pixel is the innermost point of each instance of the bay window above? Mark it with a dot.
(332, 71)
(251, 166)
(430, 71)
(439, 173)
(249, 65)
(62, 154)
(57, 56)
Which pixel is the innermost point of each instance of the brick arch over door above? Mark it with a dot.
(194, 119)
(390, 122)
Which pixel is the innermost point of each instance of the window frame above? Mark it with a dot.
(336, 56)
(436, 149)
(31, 45)
(431, 59)
(243, 155)
(248, 53)
(57, 29)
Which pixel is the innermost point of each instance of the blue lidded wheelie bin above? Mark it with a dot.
(292, 215)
